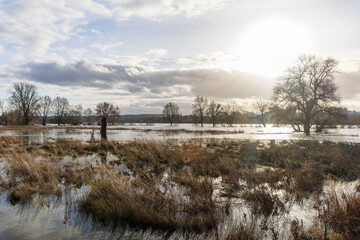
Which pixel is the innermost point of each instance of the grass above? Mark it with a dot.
(172, 187)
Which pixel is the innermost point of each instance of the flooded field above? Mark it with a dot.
(55, 185)
(183, 132)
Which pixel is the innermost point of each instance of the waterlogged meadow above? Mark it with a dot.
(209, 189)
(180, 132)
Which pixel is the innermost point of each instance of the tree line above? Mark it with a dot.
(26, 106)
(305, 97)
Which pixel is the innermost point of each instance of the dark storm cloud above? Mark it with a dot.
(137, 80)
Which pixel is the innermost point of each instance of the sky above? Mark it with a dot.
(141, 54)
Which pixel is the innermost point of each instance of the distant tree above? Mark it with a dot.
(231, 110)
(199, 108)
(60, 107)
(261, 109)
(3, 117)
(45, 104)
(24, 96)
(213, 111)
(89, 114)
(75, 115)
(171, 112)
(306, 92)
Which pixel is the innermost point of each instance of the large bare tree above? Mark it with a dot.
(24, 96)
(60, 107)
(306, 92)
(171, 112)
(45, 104)
(261, 109)
(213, 111)
(199, 108)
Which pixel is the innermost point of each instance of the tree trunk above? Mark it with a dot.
(103, 128)
(307, 126)
(201, 120)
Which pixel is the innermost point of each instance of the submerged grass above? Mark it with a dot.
(172, 187)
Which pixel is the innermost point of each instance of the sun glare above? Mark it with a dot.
(269, 47)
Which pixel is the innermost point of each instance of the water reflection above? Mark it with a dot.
(184, 132)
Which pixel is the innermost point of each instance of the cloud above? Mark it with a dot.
(106, 46)
(139, 80)
(155, 9)
(95, 31)
(349, 84)
(156, 52)
(31, 27)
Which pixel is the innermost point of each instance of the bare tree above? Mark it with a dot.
(3, 117)
(231, 110)
(89, 114)
(60, 108)
(45, 104)
(306, 92)
(171, 112)
(199, 108)
(75, 115)
(104, 110)
(24, 96)
(213, 111)
(114, 116)
(261, 109)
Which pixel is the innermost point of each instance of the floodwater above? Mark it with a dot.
(59, 220)
(184, 132)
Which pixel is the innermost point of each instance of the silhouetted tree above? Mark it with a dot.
(89, 114)
(24, 97)
(45, 105)
(104, 109)
(199, 108)
(60, 108)
(213, 111)
(75, 115)
(171, 112)
(306, 92)
(114, 116)
(261, 109)
(231, 110)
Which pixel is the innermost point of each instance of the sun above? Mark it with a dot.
(268, 47)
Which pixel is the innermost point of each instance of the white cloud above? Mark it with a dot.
(31, 27)
(161, 8)
(92, 7)
(106, 46)
(95, 31)
(157, 52)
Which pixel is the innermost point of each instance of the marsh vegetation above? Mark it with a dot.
(229, 189)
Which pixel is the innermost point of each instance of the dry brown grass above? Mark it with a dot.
(149, 201)
(146, 198)
(342, 216)
(27, 176)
